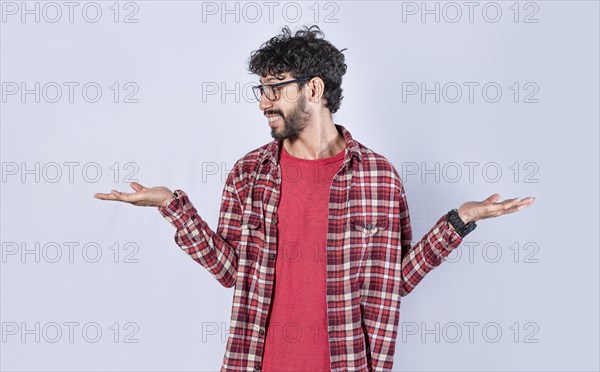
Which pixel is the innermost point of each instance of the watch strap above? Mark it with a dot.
(459, 225)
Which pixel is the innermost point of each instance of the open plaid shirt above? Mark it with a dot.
(370, 261)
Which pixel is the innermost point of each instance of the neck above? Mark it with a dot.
(319, 139)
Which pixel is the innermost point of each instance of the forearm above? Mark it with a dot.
(427, 254)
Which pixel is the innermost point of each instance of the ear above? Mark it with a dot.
(316, 89)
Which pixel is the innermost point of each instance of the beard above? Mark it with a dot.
(293, 123)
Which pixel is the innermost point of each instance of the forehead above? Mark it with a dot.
(274, 78)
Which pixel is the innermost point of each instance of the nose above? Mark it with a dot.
(264, 103)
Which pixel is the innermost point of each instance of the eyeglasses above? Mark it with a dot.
(271, 91)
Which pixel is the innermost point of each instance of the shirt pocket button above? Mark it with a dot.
(252, 235)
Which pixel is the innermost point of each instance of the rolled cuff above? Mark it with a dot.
(179, 210)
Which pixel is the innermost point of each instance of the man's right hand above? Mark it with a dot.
(143, 196)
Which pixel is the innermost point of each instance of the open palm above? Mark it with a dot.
(143, 196)
(490, 207)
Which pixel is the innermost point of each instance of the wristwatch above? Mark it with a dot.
(461, 228)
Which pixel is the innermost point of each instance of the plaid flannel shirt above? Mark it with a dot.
(370, 261)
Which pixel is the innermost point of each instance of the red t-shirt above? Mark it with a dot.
(297, 337)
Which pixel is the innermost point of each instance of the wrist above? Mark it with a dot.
(464, 217)
(458, 224)
(168, 200)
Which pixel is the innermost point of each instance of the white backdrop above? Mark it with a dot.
(465, 98)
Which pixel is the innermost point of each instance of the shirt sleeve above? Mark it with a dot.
(404, 267)
(217, 252)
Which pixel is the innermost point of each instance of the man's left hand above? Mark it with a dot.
(475, 211)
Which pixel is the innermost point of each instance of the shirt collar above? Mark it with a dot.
(352, 149)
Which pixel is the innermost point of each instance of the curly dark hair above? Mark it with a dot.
(306, 54)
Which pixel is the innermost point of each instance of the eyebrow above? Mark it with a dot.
(267, 80)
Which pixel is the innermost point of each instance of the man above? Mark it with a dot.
(314, 230)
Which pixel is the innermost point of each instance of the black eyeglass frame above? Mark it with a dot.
(258, 90)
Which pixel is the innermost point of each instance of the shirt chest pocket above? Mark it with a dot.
(253, 236)
(373, 234)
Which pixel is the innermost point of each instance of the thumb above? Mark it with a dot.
(136, 186)
(493, 198)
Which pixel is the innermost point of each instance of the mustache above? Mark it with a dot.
(273, 112)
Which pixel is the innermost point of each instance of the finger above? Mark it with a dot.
(125, 193)
(511, 203)
(136, 186)
(124, 196)
(525, 202)
(497, 209)
(119, 195)
(514, 206)
(523, 206)
(507, 202)
(517, 202)
(131, 198)
(492, 199)
(515, 209)
(102, 196)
